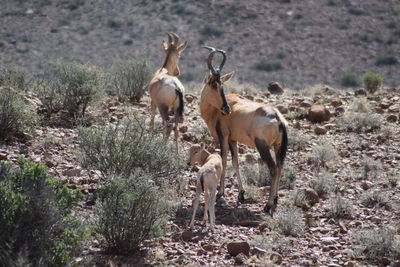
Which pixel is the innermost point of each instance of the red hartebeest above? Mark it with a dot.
(233, 118)
(165, 89)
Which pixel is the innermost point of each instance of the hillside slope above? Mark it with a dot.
(297, 43)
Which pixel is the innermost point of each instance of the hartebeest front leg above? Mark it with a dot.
(153, 114)
(176, 134)
(235, 162)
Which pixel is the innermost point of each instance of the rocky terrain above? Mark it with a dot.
(297, 43)
(358, 172)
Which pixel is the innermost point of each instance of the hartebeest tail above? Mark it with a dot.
(207, 182)
(165, 89)
(233, 119)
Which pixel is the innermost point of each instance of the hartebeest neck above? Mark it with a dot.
(207, 110)
(171, 64)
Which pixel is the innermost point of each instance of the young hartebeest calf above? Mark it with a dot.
(209, 177)
(166, 91)
(233, 118)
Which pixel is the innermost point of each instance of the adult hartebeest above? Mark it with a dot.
(233, 118)
(165, 89)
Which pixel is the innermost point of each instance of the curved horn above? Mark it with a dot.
(176, 37)
(210, 57)
(169, 38)
(223, 59)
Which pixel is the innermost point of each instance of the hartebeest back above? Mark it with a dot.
(233, 118)
(166, 91)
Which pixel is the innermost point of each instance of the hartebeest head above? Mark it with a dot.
(173, 51)
(214, 83)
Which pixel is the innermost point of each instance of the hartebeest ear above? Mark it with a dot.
(227, 76)
(182, 47)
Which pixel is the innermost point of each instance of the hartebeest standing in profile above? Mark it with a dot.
(233, 118)
(165, 89)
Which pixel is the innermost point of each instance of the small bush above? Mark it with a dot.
(122, 148)
(288, 177)
(290, 222)
(324, 155)
(69, 86)
(15, 116)
(115, 23)
(340, 208)
(360, 105)
(268, 66)
(372, 167)
(34, 221)
(14, 78)
(350, 80)
(274, 242)
(297, 139)
(130, 210)
(130, 80)
(377, 243)
(372, 81)
(211, 30)
(386, 61)
(360, 122)
(323, 184)
(374, 199)
(356, 11)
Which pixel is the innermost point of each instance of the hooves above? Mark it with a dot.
(270, 210)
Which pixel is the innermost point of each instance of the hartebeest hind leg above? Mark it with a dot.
(235, 162)
(265, 154)
(224, 156)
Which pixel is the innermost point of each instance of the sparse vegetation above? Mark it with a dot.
(386, 60)
(360, 122)
(371, 168)
(297, 140)
(268, 66)
(340, 208)
(36, 226)
(130, 210)
(350, 80)
(13, 77)
(376, 244)
(130, 79)
(15, 116)
(71, 87)
(324, 155)
(290, 222)
(360, 105)
(288, 177)
(372, 81)
(121, 149)
(374, 199)
(323, 183)
(212, 30)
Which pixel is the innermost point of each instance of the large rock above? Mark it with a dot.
(235, 248)
(275, 88)
(318, 113)
(311, 195)
(360, 91)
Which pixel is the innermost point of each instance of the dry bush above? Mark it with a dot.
(323, 183)
(318, 89)
(360, 122)
(289, 177)
(235, 87)
(297, 139)
(360, 105)
(274, 242)
(290, 222)
(324, 155)
(376, 244)
(340, 208)
(371, 168)
(374, 199)
(14, 77)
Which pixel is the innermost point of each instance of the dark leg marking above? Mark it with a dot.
(179, 111)
(220, 136)
(263, 149)
(163, 111)
(202, 182)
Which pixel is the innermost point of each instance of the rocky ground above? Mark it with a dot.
(355, 165)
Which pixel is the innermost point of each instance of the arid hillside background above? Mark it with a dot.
(297, 43)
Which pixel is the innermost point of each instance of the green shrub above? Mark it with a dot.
(34, 222)
(268, 66)
(71, 87)
(350, 80)
(122, 148)
(376, 244)
(15, 116)
(288, 177)
(130, 210)
(212, 30)
(386, 61)
(14, 78)
(130, 80)
(372, 81)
